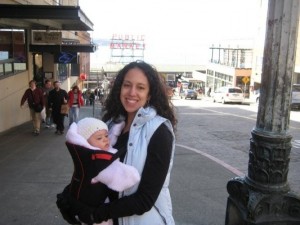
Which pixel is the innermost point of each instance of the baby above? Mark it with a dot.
(96, 163)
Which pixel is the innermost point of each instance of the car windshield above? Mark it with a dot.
(296, 88)
(234, 90)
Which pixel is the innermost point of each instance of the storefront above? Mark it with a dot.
(25, 55)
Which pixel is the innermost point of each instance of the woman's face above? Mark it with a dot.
(134, 91)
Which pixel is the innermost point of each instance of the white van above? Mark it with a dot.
(295, 97)
(228, 94)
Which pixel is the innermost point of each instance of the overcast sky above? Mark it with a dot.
(176, 31)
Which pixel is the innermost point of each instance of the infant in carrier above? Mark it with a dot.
(96, 165)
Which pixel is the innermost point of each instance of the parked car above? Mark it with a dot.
(189, 93)
(228, 94)
(295, 96)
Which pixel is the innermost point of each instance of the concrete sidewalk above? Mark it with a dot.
(34, 169)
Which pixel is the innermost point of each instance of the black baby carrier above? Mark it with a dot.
(87, 164)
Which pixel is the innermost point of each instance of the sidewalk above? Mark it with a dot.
(34, 169)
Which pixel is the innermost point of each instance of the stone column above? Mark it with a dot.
(263, 197)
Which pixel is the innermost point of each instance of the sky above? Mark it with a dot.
(176, 31)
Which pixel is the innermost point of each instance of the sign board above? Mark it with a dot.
(46, 37)
(246, 80)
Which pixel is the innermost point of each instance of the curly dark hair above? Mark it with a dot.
(158, 92)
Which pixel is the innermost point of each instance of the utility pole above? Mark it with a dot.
(263, 197)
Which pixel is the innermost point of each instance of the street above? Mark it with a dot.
(211, 148)
(219, 133)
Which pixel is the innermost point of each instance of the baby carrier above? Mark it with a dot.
(87, 164)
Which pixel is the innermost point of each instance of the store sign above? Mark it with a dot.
(46, 37)
(127, 46)
(66, 57)
(127, 37)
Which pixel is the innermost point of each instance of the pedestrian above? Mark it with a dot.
(46, 90)
(138, 97)
(96, 163)
(92, 98)
(87, 96)
(75, 102)
(34, 97)
(209, 91)
(57, 97)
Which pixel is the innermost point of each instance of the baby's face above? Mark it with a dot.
(99, 139)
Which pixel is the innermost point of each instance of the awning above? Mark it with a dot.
(62, 48)
(43, 17)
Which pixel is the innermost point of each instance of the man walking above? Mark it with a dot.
(57, 97)
(35, 100)
(46, 90)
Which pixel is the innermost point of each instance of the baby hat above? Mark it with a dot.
(87, 126)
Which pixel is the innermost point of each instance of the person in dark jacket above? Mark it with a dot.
(57, 97)
(35, 100)
(46, 90)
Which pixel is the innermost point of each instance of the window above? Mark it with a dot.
(13, 56)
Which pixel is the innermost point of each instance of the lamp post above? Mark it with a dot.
(264, 197)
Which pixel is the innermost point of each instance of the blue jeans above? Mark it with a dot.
(73, 115)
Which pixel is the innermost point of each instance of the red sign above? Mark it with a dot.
(129, 37)
(82, 76)
(127, 46)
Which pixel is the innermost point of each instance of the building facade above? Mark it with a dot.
(229, 67)
(40, 40)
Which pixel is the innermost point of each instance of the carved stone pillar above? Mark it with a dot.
(263, 197)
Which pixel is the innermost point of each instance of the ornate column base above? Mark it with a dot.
(247, 206)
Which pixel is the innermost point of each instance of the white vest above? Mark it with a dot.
(142, 128)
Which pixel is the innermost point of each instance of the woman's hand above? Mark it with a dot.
(64, 209)
(84, 212)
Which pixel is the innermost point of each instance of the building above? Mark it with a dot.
(229, 66)
(40, 40)
(171, 73)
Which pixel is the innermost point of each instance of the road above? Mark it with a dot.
(220, 134)
(211, 148)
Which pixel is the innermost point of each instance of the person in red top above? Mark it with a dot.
(35, 99)
(75, 102)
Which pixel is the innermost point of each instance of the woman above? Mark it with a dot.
(139, 97)
(75, 102)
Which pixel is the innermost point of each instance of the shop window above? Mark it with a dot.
(13, 55)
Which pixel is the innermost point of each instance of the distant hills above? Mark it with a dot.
(102, 41)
